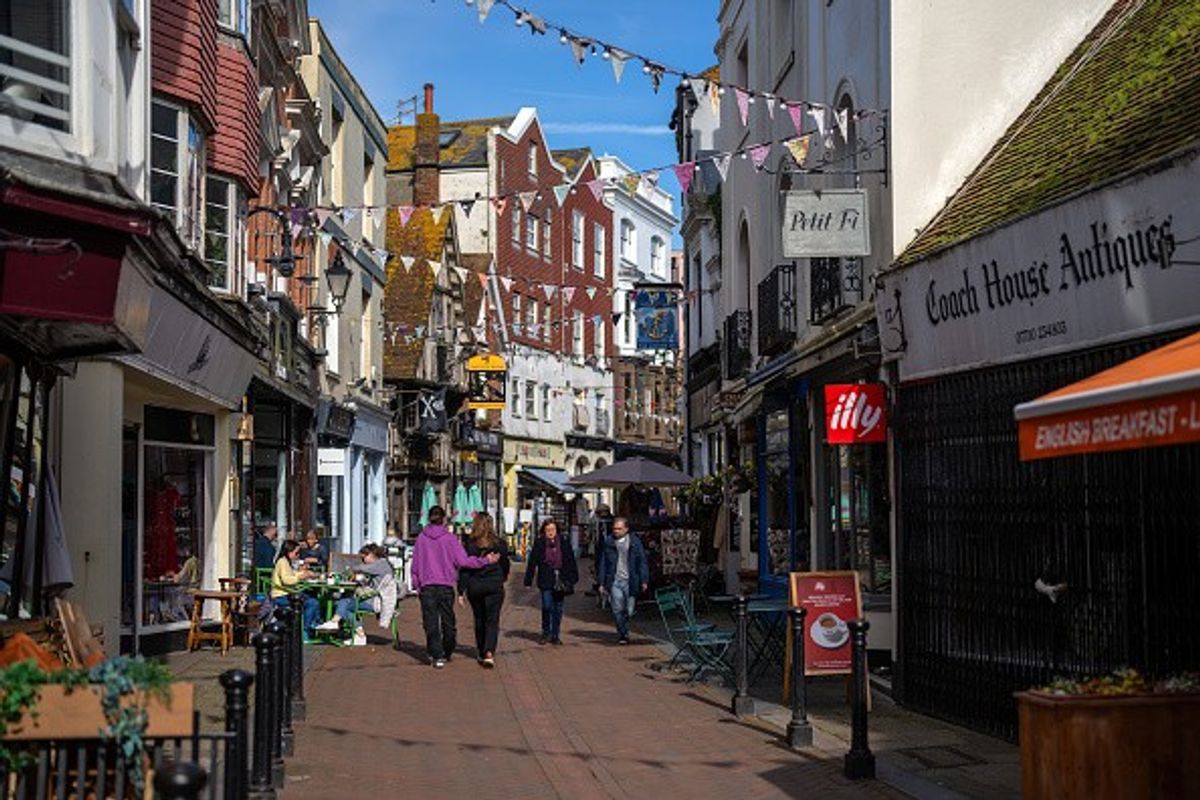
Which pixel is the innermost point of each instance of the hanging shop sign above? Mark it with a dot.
(487, 378)
(855, 413)
(431, 410)
(656, 313)
(1097, 269)
(832, 600)
(831, 222)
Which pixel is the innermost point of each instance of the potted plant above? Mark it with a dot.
(1119, 735)
(122, 699)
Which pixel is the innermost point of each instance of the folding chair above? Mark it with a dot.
(671, 601)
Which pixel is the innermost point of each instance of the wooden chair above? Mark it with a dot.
(83, 647)
(223, 635)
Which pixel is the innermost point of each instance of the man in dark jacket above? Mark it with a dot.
(623, 574)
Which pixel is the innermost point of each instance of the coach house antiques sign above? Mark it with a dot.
(1096, 269)
(828, 223)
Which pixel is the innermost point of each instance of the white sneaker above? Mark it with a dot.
(439, 663)
(329, 626)
(360, 637)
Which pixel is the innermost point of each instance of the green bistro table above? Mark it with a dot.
(327, 594)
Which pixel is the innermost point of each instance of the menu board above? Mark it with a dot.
(832, 600)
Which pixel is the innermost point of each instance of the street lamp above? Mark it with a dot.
(285, 262)
(338, 276)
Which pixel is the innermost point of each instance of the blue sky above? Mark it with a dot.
(396, 46)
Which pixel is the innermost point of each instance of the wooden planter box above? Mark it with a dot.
(1129, 747)
(78, 715)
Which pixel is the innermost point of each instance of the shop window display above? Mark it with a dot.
(173, 545)
(858, 513)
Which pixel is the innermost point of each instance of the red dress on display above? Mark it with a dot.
(162, 546)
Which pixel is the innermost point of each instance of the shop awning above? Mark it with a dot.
(553, 480)
(1148, 401)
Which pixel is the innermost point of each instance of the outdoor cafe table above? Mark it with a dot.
(327, 593)
(766, 630)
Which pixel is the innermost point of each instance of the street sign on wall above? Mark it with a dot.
(855, 413)
(657, 320)
(828, 223)
(487, 377)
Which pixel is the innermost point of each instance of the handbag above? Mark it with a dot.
(561, 586)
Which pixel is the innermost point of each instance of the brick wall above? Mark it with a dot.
(183, 57)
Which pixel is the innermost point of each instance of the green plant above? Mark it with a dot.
(1124, 682)
(125, 686)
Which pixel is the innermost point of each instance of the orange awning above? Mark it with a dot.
(1148, 401)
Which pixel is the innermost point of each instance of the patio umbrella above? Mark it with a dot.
(462, 514)
(475, 500)
(428, 501)
(632, 472)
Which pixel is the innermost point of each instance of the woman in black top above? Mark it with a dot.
(552, 562)
(484, 587)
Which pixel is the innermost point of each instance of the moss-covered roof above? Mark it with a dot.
(1128, 96)
(573, 159)
(408, 294)
(464, 143)
(713, 73)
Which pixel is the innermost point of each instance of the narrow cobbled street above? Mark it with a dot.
(587, 719)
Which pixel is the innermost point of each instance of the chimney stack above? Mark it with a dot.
(427, 155)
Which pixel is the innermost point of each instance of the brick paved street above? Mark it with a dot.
(588, 719)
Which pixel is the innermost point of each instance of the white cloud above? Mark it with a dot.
(606, 127)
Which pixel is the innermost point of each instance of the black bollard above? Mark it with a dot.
(285, 616)
(180, 780)
(298, 705)
(799, 731)
(262, 786)
(743, 703)
(237, 684)
(275, 628)
(860, 761)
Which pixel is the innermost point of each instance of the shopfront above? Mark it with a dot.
(478, 469)
(535, 488)
(335, 428)
(366, 478)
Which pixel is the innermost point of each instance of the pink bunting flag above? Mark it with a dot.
(568, 293)
(597, 187)
(527, 200)
(406, 213)
(483, 278)
(500, 203)
(549, 289)
(743, 103)
(759, 153)
(684, 173)
(796, 110)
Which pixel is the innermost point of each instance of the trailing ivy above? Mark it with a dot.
(125, 686)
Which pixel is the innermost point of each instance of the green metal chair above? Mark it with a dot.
(678, 620)
(262, 580)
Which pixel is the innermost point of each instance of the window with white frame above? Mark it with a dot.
(531, 317)
(234, 15)
(546, 402)
(598, 342)
(598, 259)
(337, 121)
(546, 323)
(224, 234)
(533, 159)
(516, 312)
(601, 422)
(628, 240)
(531, 233)
(516, 225)
(546, 238)
(530, 400)
(577, 334)
(628, 320)
(35, 62)
(177, 168)
(577, 240)
(514, 398)
(658, 254)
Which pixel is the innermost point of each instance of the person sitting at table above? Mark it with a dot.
(313, 554)
(376, 592)
(285, 585)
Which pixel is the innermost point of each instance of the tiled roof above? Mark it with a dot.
(572, 159)
(408, 295)
(464, 143)
(1128, 96)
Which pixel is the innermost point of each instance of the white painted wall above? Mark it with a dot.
(473, 230)
(563, 375)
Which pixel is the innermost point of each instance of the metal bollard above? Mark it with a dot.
(860, 761)
(799, 730)
(299, 709)
(275, 627)
(180, 780)
(743, 703)
(261, 785)
(285, 616)
(237, 684)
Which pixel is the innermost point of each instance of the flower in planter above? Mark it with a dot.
(1124, 682)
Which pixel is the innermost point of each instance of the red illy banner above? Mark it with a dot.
(855, 413)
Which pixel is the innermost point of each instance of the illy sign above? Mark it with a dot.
(855, 413)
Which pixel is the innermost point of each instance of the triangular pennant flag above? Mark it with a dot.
(527, 200)
(435, 267)
(326, 238)
(322, 215)
(420, 331)
(579, 50)
(549, 289)
(759, 153)
(568, 293)
(743, 103)
(407, 261)
(714, 98)
(348, 215)
(616, 317)
(684, 173)
(817, 112)
(631, 182)
(721, 162)
(561, 191)
(770, 100)
(405, 213)
(466, 206)
(591, 292)
(842, 118)
(597, 187)
(485, 8)
(798, 147)
(507, 283)
(377, 218)
(618, 60)
(650, 179)
(796, 110)
(500, 203)
(461, 272)
(483, 278)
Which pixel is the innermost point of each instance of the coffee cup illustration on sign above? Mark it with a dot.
(829, 631)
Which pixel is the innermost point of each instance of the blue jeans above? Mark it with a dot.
(310, 609)
(347, 606)
(623, 604)
(552, 610)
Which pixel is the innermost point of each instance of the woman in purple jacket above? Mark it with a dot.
(437, 557)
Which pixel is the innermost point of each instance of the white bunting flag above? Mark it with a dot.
(842, 118)
(407, 261)
(527, 199)
(549, 289)
(485, 8)
(348, 215)
(770, 100)
(591, 292)
(322, 215)
(618, 60)
(461, 272)
(506, 283)
(817, 112)
(721, 162)
(579, 49)
(568, 293)
(326, 238)
(560, 193)
(435, 267)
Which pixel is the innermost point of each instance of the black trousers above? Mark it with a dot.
(437, 615)
(486, 605)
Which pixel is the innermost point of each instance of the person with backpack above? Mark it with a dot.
(437, 558)
(484, 588)
(552, 563)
